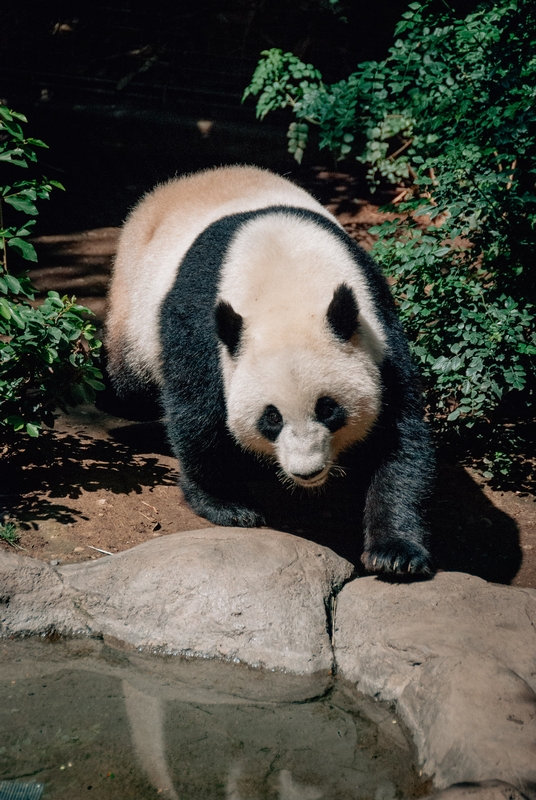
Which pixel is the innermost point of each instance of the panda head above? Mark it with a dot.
(299, 393)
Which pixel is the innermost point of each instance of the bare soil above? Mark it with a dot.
(100, 482)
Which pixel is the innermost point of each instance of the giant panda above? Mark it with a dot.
(269, 333)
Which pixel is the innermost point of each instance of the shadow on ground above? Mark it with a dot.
(67, 466)
(59, 476)
(469, 533)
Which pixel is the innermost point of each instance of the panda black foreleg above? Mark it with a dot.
(396, 534)
(216, 510)
(212, 474)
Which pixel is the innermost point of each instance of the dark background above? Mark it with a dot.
(116, 88)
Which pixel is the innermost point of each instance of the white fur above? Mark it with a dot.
(280, 275)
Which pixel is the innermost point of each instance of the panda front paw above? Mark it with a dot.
(231, 516)
(398, 558)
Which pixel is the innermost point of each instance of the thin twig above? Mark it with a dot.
(106, 552)
(511, 177)
(4, 241)
(290, 100)
(401, 149)
(400, 196)
(412, 173)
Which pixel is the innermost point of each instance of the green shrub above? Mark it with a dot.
(47, 352)
(450, 119)
(9, 534)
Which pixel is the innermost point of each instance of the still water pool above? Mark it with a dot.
(89, 721)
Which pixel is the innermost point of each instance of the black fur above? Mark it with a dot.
(228, 326)
(270, 423)
(125, 395)
(395, 460)
(330, 413)
(342, 313)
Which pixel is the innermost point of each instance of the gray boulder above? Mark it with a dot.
(256, 597)
(459, 657)
(34, 599)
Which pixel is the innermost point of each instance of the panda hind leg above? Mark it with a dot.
(219, 512)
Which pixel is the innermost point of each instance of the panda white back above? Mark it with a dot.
(154, 239)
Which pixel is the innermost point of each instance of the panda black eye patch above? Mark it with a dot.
(270, 423)
(343, 312)
(330, 413)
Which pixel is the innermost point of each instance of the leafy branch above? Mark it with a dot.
(48, 352)
(449, 119)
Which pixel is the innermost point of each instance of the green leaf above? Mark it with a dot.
(12, 283)
(32, 430)
(5, 309)
(37, 142)
(17, 319)
(16, 160)
(18, 115)
(22, 203)
(15, 421)
(25, 249)
(97, 385)
(26, 229)
(14, 129)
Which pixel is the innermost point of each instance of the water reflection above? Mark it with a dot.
(85, 719)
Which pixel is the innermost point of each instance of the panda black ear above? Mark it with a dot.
(228, 326)
(343, 312)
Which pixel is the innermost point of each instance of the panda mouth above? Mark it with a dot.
(312, 481)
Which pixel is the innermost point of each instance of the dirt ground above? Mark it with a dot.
(102, 483)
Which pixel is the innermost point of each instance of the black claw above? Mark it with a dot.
(398, 560)
(244, 518)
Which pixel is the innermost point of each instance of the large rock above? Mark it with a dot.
(459, 657)
(257, 597)
(33, 599)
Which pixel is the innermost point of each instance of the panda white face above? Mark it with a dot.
(301, 406)
(303, 447)
(300, 358)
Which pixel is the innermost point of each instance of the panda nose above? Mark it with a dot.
(310, 476)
